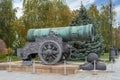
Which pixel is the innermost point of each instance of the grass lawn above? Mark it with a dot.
(106, 56)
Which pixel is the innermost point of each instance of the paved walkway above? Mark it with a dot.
(116, 68)
(102, 75)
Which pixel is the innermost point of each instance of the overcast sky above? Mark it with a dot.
(75, 4)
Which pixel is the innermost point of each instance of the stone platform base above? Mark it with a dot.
(39, 68)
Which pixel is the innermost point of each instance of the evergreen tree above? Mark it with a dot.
(82, 17)
(82, 49)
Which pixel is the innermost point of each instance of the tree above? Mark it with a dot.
(47, 13)
(104, 26)
(93, 13)
(41, 14)
(118, 37)
(85, 47)
(20, 32)
(7, 15)
(82, 17)
(102, 19)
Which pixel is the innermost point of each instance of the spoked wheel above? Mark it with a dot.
(50, 52)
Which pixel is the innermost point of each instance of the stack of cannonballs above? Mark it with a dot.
(92, 60)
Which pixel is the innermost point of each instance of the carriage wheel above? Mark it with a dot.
(50, 52)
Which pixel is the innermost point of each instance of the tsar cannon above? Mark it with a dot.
(52, 44)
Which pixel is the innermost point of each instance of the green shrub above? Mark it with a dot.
(4, 57)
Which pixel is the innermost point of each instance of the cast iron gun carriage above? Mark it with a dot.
(52, 44)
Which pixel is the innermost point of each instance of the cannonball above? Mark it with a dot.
(87, 66)
(91, 57)
(100, 66)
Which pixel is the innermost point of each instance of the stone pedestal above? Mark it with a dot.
(40, 68)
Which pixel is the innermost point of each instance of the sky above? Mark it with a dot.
(75, 4)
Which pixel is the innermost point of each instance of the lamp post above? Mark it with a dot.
(111, 23)
(112, 51)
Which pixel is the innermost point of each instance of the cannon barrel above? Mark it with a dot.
(72, 33)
